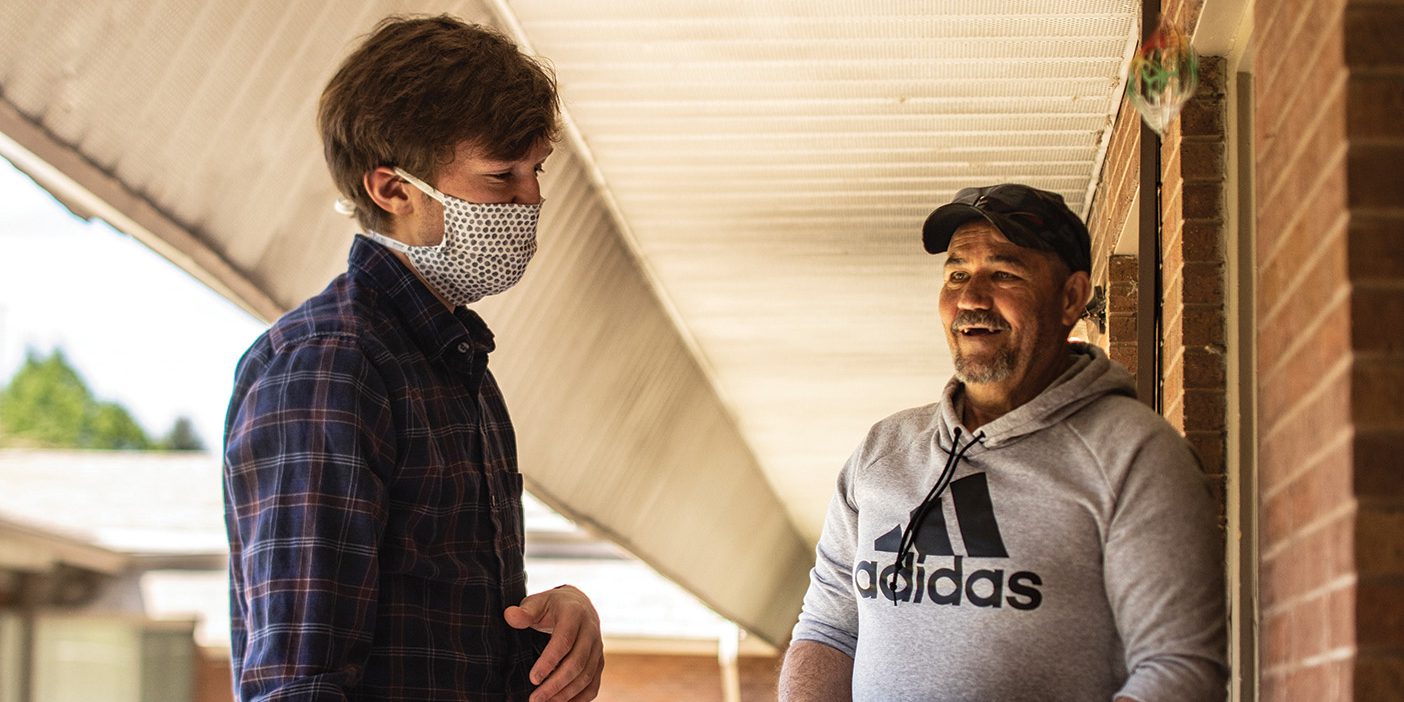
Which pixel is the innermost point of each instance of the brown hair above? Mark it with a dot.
(416, 88)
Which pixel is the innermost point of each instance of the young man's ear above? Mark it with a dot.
(1077, 290)
(388, 190)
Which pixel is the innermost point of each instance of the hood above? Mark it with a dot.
(1092, 376)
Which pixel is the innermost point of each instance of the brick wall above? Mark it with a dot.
(1111, 206)
(1375, 263)
(1193, 362)
(650, 678)
(1122, 296)
(1329, 147)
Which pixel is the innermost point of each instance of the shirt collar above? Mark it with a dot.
(432, 326)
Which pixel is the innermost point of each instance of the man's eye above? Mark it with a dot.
(958, 276)
(1004, 275)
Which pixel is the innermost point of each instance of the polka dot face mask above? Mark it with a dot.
(485, 251)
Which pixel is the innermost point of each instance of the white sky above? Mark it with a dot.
(138, 329)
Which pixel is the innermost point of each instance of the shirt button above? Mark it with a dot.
(463, 347)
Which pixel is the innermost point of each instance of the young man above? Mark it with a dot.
(372, 497)
(1037, 534)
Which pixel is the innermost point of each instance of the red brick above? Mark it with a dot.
(1315, 138)
(1308, 257)
(1342, 622)
(1124, 268)
(1204, 282)
(1273, 59)
(1172, 335)
(1213, 78)
(1277, 640)
(1272, 684)
(1218, 489)
(1312, 627)
(1204, 368)
(1122, 329)
(1378, 309)
(1377, 457)
(1375, 387)
(1202, 117)
(1317, 558)
(1379, 543)
(1379, 619)
(1313, 311)
(1118, 348)
(1276, 518)
(1270, 586)
(1376, 248)
(1321, 490)
(1373, 171)
(1378, 675)
(1202, 240)
(1372, 37)
(1204, 325)
(1209, 446)
(1122, 299)
(1289, 97)
(1287, 438)
(646, 678)
(1204, 409)
(1313, 682)
(1287, 379)
(1202, 160)
(1318, 174)
(1373, 107)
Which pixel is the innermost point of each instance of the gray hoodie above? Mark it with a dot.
(1074, 556)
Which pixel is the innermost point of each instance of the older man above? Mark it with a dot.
(372, 496)
(1037, 534)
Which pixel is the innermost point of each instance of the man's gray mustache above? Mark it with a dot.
(978, 318)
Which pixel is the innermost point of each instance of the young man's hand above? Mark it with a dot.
(569, 668)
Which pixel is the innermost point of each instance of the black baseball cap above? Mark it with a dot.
(1026, 215)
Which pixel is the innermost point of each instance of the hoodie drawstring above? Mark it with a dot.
(909, 535)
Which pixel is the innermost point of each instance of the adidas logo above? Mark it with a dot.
(979, 532)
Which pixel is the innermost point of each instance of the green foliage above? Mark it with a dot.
(47, 405)
(182, 437)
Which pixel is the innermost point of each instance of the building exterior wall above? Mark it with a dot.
(648, 678)
(1106, 221)
(1329, 147)
(1193, 255)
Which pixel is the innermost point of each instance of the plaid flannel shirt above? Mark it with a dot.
(373, 502)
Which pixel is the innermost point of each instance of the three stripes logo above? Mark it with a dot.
(949, 584)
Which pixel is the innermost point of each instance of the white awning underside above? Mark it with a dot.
(731, 286)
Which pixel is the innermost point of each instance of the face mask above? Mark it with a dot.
(485, 249)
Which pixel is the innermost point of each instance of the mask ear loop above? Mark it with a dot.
(426, 188)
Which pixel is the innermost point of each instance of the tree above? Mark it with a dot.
(47, 405)
(182, 437)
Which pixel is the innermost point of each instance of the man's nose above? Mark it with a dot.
(975, 295)
(527, 191)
